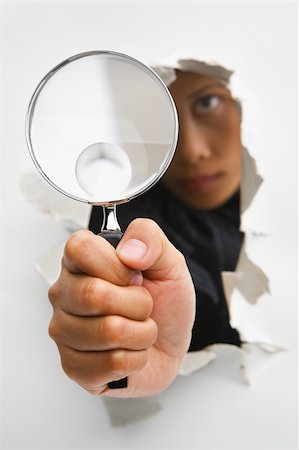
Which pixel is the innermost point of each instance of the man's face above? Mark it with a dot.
(206, 169)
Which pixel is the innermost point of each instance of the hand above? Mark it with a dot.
(111, 321)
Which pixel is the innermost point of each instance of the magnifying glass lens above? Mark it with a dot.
(102, 127)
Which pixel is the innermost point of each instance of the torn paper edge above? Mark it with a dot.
(75, 215)
(252, 359)
(250, 280)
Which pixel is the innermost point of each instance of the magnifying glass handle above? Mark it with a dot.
(114, 237)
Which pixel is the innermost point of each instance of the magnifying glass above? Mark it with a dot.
(102, 128)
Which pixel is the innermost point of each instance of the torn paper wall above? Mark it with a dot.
(74, 215)
(249, 361)
(244, 288)
(248, 279)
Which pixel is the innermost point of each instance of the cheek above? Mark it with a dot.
(227, 139)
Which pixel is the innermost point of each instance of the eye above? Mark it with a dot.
(206, 104)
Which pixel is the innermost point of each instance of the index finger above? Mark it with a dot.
(88, 253)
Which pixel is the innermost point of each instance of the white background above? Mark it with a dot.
(213, 408)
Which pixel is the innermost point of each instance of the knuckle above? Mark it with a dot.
(117, 273)
(118, 362)
(84, 372)
(53, 293)
(70, 363)
(94, 390)
(147, 303)
(112, 330)
(142, 301)
(89, 295)
(75, 243)
(153, 333)
(55, 329)
(88, 378)
(71, 246)
(122, 362)
(69, 368)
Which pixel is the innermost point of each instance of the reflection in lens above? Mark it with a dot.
(101, 127)
(103, 169)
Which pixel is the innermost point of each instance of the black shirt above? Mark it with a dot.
(210, 241)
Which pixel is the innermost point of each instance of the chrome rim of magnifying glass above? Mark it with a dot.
(42, 84)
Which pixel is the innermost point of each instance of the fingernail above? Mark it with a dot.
(133, 249)
(137, 279)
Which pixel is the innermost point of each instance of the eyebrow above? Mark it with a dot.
(201, 90)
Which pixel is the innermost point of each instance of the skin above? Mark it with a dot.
(110, 321)
(206, 169)
(130, 311)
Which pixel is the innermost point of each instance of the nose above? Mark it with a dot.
(193, 144)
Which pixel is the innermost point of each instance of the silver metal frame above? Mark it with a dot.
(30, 113)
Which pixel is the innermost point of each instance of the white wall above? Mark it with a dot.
(210, 409)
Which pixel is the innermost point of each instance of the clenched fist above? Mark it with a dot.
(121, 313)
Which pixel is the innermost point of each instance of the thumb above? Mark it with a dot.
(145, 247)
